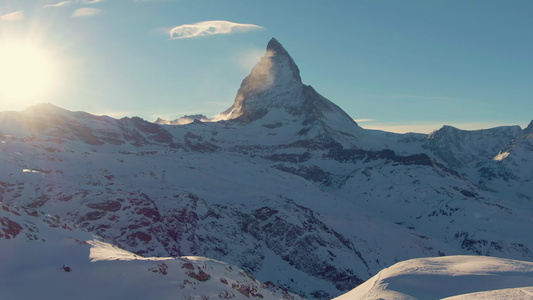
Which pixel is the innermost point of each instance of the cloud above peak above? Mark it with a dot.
(86, 12)
(70, 2)
(14, 16)
(209, 28)
(59, 4)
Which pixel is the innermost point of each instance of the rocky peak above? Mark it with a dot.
(275, 46)
(275, 85)
(528, 131)
(272, 83)
(280, 56)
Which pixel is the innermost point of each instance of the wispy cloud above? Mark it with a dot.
(364, 120)
(86, 12)
(14, 16)
(70, 2)
(209, 28)
(248, 58)
(59, 4)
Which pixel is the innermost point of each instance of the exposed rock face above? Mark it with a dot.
(37, 246)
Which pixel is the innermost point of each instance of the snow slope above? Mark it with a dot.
(45, 257)
(452, 277)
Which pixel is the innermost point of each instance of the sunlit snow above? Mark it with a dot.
(441, 277)
(501, 156)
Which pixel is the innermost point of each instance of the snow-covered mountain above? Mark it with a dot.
(283, 184)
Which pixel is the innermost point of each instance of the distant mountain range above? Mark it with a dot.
(283, 185)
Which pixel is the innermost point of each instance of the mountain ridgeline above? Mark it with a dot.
(283, 184)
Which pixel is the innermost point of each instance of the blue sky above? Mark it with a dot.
(394, 65)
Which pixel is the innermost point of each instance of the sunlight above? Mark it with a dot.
(26, 74)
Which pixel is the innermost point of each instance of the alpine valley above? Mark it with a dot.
(282, 188)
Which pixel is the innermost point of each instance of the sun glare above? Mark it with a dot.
(26, 74)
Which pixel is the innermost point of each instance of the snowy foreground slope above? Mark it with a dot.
(451, 277)
(45, 257)
(284, 185)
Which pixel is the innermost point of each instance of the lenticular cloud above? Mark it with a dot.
(86, 12)
(14, 16)
(208, 28)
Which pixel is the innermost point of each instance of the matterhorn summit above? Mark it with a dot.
(275, 82)
(273, 93)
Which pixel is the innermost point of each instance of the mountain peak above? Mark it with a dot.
(276, 47)
(279, 58)
(274, 93)
(529, 129)
(46, 108)
(269, 84)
